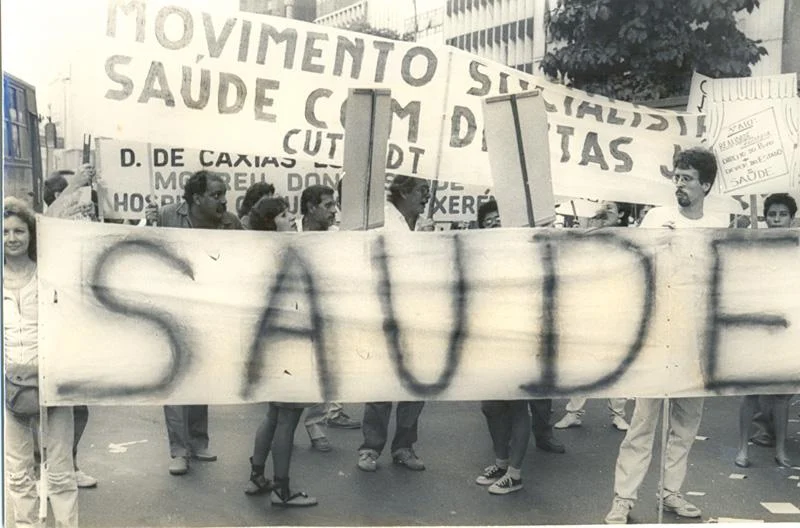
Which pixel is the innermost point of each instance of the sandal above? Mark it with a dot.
(285, 498)
(258, 485)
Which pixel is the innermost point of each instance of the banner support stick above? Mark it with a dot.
(662, 465)
(753, 211)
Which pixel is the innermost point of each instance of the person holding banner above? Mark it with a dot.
(406, 201)
(204, 206)
(779, 211)
(609, 214)
(20, 351)
(508, 421)
(694, 173)
(276, 431)
(318, 208)
(252, 195)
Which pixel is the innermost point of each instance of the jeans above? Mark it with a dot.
(62, 488)
(187, 428)
(375, 425)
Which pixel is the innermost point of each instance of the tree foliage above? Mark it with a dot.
(362, 26)
(647, 49)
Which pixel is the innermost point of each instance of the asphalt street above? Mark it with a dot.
(126, 449)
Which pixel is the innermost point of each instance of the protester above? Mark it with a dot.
(694, 174)
(318, 206)
(609, 214)
(204, 206)
(508, 420)
(406, 201)
(54, 185)
(779, 211)
(251, 196)
(20, 350)
(276, 432)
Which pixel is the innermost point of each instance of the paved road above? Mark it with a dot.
(576, 488)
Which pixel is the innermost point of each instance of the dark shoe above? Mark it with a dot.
(368, 461)
(321, 444)
(292, 500)
(551, 446)
(342, 421)
(408, 458)
(178, 466)
(763, 440)
(203, 455)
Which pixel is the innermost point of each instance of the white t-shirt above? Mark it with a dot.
(666, 216)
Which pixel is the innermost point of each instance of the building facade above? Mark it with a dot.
(297, 9)
(422, 18)
(22, 158)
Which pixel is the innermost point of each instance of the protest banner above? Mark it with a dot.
(366, 135)
(206, 316)
(754, 129)
(125, 173)
(520, 158)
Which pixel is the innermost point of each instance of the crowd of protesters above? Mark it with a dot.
(510, 423)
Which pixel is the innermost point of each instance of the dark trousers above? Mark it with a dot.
(375, 425)
(541, 410)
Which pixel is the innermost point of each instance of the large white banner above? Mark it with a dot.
(157, 315)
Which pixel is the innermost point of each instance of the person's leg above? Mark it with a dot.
(336, 417)
(684, 422)
(19, 461)
(375, 426)
(81, 414)
(175, 418)
(746, 411)
(520, 432)
(62, 488)
(282, 445)
(407, 418)
(780, 415)
(575, 405)
(261, 448)
(498, 420)
(197, 424)
(573, 416)
(541, 411)
(636, 450)
(617, 407)
(765, 424)
(315, 419)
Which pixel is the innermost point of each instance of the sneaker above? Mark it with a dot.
(505, 485)
(368, 461)
(619, 423)
(178, 465)
(490, 475)
(321, 444)
(569, 420)
(408, 458)
(675, 502)
(342, 421)
(204, 455)
(84, 480)
(620, 509)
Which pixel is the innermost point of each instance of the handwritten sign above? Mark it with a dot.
(205, 316)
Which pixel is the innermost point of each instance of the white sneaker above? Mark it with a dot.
(569, 420)
(505, 485)
(620, 424)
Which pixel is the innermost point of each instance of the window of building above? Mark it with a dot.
(15, 114)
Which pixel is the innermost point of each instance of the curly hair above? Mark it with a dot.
(253, 194)
(700, 159)
(15, 207)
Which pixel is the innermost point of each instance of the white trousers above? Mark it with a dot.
(636, 450)
(62, 487)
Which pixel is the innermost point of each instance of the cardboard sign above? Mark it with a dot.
(208, 316)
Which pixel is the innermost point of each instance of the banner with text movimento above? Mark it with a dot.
(188, 316)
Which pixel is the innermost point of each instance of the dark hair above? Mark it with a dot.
(485, 209)
(700, 159)
(780, 198)
(13, 206)
(253, 194)
(55, 183)
(264, 211)
(198, 183)
(402, 185)
(313, 196)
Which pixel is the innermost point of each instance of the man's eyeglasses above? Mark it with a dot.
(683, 178)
